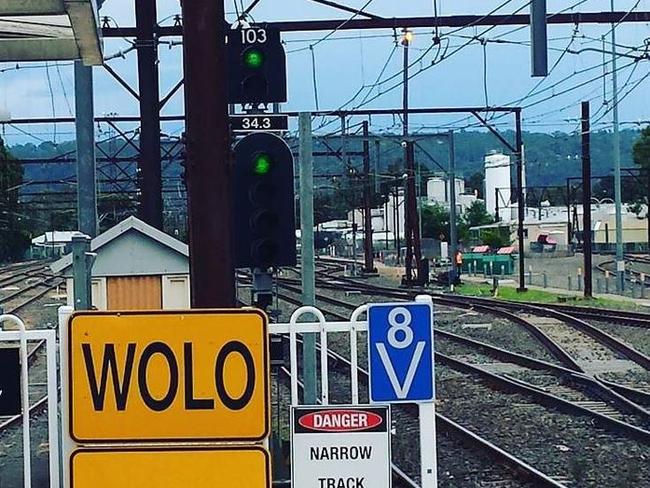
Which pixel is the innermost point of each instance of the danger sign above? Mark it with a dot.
(341, 447)
(191, 376)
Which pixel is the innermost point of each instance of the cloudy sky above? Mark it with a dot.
(462, 71)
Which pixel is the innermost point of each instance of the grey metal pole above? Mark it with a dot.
(81, 272)
(368, 249)
(620, 260)
(539, 38)
(453, 237)
(307, 251)
(586, 198)
(86, 164)
(521, 206)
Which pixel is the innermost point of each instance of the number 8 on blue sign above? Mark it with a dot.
(400, 353)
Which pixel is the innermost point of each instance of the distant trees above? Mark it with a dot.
(14, 241)
(476, 215)
(435, 222)
(641, 149)
(476, 182)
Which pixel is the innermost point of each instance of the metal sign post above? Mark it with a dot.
(400, 358)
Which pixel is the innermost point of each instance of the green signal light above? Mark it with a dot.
(262, 164)
(253, 58)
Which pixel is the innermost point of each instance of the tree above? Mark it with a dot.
(435, 222)
(476, 215)
(14, 241)
(641, 149)
(476, 182)
(495, 238)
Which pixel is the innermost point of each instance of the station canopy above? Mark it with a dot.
(50, 30)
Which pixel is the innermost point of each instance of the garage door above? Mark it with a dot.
(134, 293)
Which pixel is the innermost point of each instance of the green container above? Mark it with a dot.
(473, 262)
(501, 265)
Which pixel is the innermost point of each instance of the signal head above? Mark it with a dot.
(262, 164)
(254, 58)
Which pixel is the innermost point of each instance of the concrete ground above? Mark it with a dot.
(565, 273)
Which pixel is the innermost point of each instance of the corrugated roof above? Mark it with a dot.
(42, 30)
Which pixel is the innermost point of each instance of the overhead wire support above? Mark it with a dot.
(455, 21)
(345, 8)
(620, 261)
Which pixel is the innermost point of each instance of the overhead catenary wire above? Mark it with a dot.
(443, 57)
(314, 76)
(52, 101)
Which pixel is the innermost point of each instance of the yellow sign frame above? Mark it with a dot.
(113, 398)
(167, 467)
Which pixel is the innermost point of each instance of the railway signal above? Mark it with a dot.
(264, 221)
(258, 66)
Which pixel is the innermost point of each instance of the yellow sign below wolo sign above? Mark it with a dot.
(166, 377)
(171, 468)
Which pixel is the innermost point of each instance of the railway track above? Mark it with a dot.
(459, 438)
(41, 284)
(580, 404)
(631, 275)
(570, 371)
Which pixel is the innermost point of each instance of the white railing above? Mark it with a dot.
(23, 336)
(352, 328)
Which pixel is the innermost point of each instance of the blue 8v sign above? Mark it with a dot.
(400, 352)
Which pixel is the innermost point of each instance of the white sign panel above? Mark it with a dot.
(341, 447)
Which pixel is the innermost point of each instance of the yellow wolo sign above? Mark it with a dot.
(168, 376)
(171, 468)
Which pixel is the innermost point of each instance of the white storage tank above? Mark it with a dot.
(437, 190)
(497, 175)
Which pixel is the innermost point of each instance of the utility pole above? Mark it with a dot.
(209, 162)
(620, 260)
(307, 252)
(521, 204)
(586, 198)
(151, 205)
(408, 155)
(538, 38)
(453, 234)
(82, 263)
(367, 203)
(86, 163)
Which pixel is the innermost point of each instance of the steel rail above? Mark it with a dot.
(603, 337)
(623, 396)
(519, 468)
(547, 399)
(597, 387)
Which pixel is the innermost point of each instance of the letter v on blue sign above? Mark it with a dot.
(400, 353)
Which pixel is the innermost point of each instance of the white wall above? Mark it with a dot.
(396, 202)
(176, 292)
(438, 189)
(497, 175)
